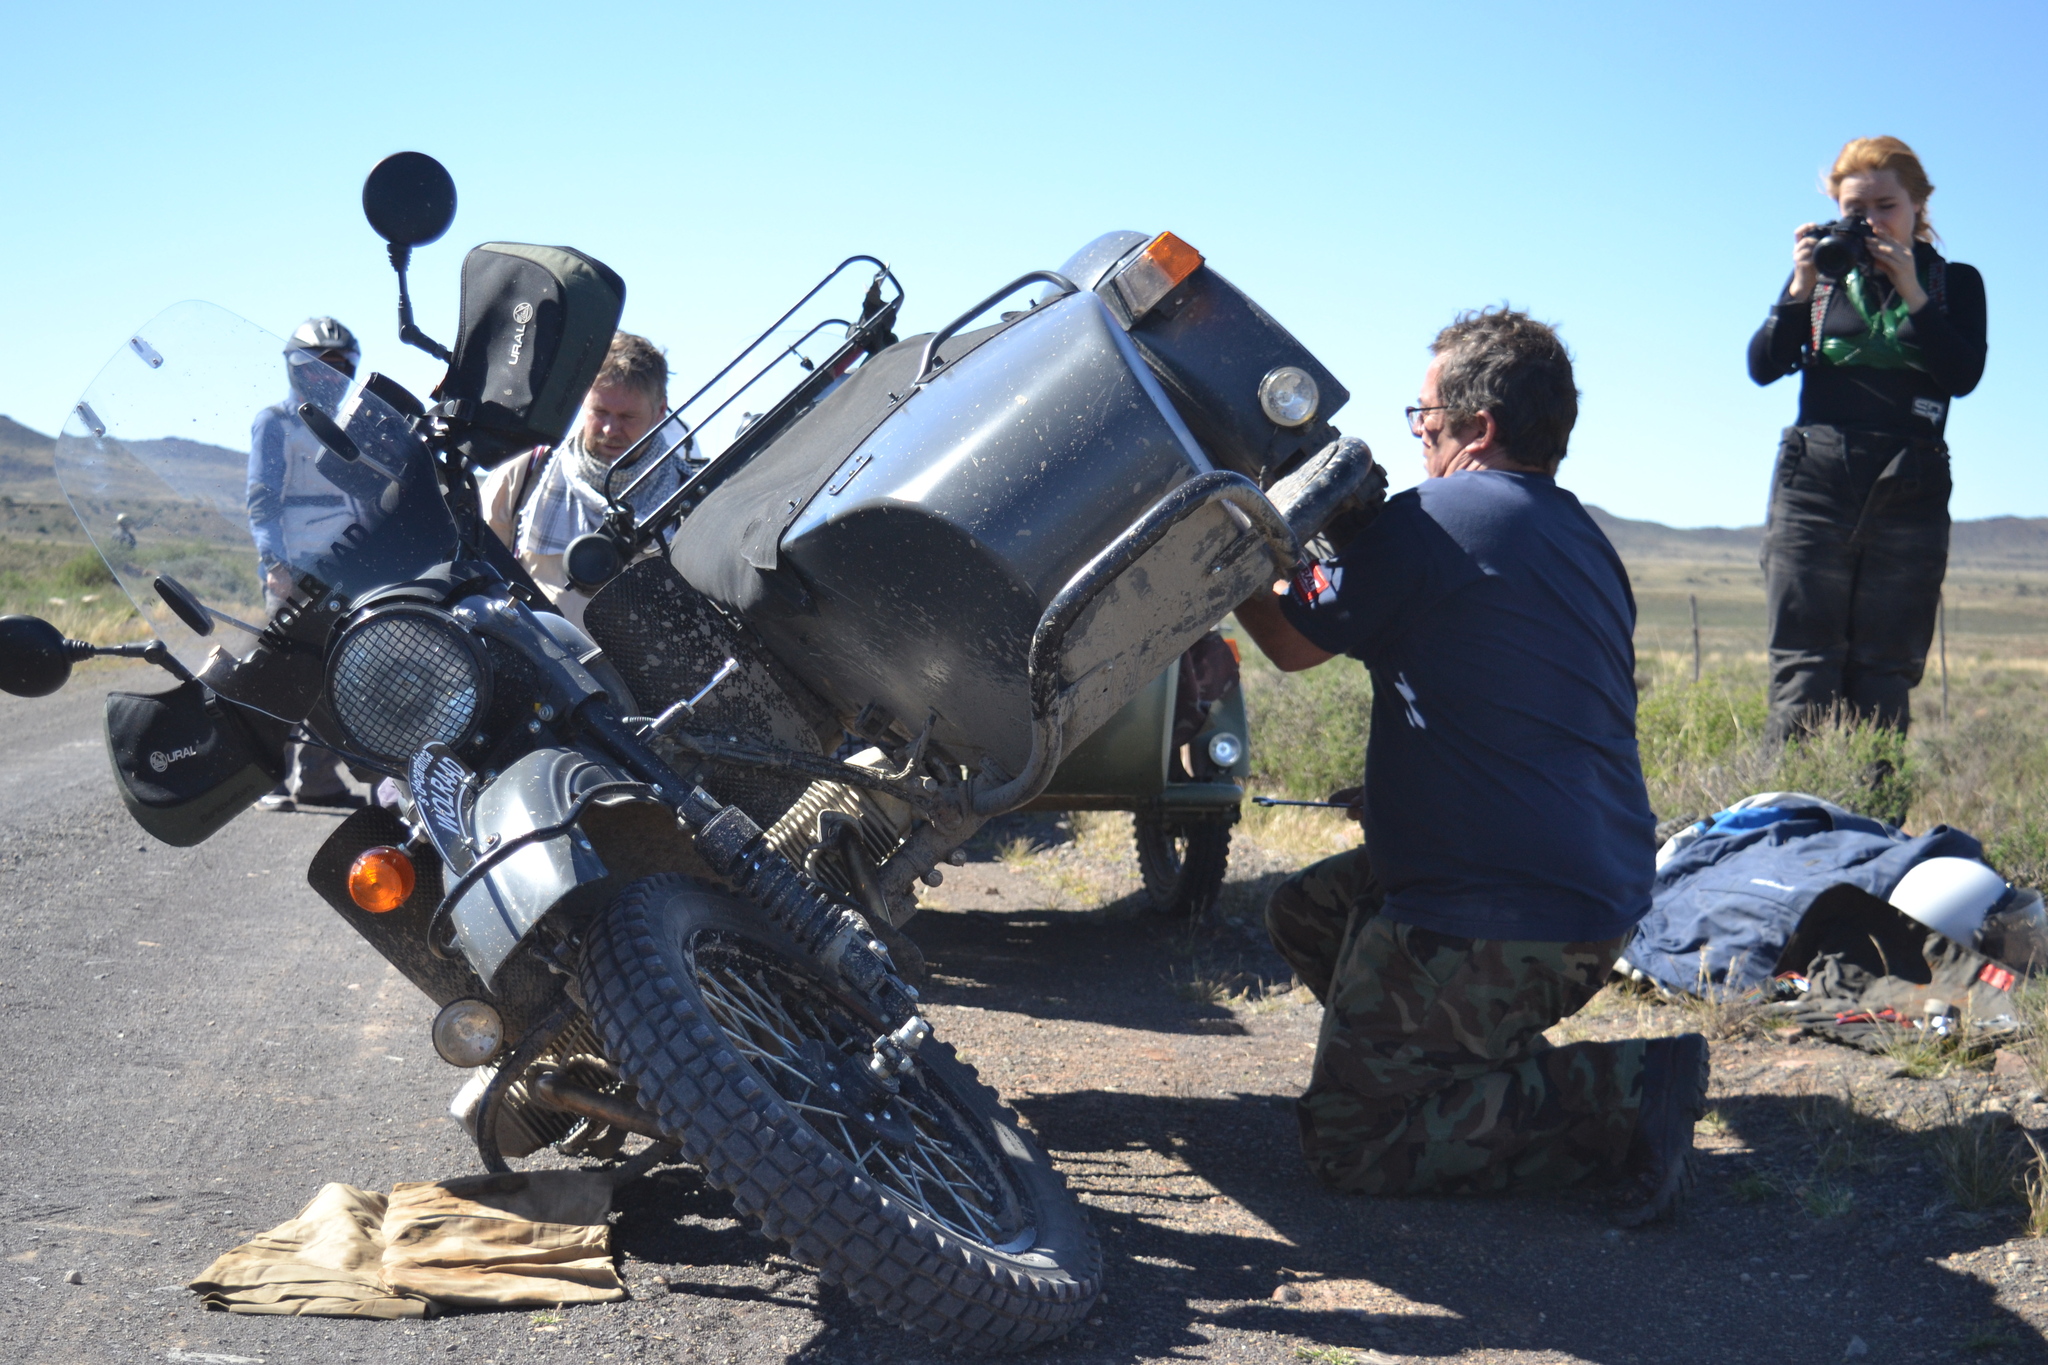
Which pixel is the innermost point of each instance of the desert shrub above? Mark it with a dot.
(84, 572)
(1987, 771)
(1867, 768)
(1308, 729)
(1703, 748)
(1697, 740)
(2020, 851)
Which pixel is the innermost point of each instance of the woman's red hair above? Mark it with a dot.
(1863, 155)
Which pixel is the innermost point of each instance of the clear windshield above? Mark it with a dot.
(187, 460)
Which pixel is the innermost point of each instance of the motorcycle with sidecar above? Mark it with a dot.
(654, 872)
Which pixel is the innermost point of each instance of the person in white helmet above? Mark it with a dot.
(300, 501)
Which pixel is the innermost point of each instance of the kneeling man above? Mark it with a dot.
(1508, 837)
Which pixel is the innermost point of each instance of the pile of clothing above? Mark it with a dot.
(1852, 925)
(525, 1240)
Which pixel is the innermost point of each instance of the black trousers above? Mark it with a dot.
(1853, 556)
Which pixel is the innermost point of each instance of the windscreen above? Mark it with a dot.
(190, 465)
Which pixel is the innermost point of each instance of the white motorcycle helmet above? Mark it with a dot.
(1950, 895)
(315, 337)
(311, 379)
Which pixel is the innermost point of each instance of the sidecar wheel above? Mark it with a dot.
(943, 1217)
(1183, 863)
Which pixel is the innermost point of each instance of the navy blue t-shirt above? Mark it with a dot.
(1503, 793)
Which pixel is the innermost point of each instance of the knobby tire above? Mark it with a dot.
(668, 1020)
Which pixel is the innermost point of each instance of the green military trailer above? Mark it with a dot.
(1177, 757)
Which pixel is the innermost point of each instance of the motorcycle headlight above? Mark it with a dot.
(1289, 396)
(1225, 749)
(405, 677)
(468, 1033)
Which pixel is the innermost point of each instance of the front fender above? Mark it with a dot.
(559, 874)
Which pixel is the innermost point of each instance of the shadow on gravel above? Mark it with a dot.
(1140, 971)
(1822, 1221)
(1739, 1277)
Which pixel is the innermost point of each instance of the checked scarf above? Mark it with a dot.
(566, 499)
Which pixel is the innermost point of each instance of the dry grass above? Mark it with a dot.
(67, 585)
(1844, 1130)
(2030, 1007)
(1923, 1054)
(1617, 1011)
(2034, 1185)
(1299, 834)
(1979, 1156)
(1984, 770)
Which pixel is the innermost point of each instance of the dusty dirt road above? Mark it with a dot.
(196, 1044)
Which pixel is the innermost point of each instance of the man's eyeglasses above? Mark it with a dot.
(1414, 415)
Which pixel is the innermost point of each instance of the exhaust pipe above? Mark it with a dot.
(550, 1089)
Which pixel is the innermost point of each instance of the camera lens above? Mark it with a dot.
(1843, 246)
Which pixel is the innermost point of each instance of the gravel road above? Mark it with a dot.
(199, 1044)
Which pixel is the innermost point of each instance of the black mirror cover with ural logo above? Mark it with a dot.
(186, 767)
(536, 322)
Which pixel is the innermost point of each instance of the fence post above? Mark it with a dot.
(1941, 625)
(1694, 599)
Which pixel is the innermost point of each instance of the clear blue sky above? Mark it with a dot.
(1631, 172)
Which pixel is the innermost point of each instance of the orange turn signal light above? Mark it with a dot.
(381, 879)
(1175, 258)
(1154, 273)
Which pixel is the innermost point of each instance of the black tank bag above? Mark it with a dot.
(536, 322)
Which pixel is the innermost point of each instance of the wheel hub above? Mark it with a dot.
(851, 1091)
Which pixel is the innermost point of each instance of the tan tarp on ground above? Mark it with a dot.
(493, 1241)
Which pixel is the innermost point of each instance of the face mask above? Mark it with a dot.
(315, 383)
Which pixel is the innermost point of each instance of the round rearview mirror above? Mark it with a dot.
(33, 659)
(592, 560)
(409, 199)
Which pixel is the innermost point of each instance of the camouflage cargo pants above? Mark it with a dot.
(1431, 1074)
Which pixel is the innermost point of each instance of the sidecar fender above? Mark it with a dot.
(560, 874)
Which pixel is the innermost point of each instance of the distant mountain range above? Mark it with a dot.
(1993, 543)
(26, 474)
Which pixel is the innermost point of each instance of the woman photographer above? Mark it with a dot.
(1884, 333)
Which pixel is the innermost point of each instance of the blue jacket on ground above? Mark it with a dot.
(1724, 907)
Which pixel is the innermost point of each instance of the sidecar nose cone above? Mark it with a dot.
(468, 1033)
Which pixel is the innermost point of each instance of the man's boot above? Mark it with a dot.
(1675, 1073)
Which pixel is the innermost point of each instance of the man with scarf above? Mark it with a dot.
(540, 501)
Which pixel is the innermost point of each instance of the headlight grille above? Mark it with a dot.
(404, 678)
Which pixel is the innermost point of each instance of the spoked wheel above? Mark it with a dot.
(928, 1205)
(1182, 862)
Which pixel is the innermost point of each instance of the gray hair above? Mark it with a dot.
(1500, 361)
(634, 362)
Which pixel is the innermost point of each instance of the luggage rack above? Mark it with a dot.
(869, 334)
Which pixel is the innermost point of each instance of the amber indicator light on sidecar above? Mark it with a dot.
(381, 879)
(1153, 273)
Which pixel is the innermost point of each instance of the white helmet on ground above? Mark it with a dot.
(1950, 895)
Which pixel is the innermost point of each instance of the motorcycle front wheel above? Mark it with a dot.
(930, 1206)
(1182, 862)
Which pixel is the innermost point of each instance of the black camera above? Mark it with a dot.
(1844, 245)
